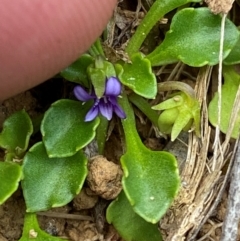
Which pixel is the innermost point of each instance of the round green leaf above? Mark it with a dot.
(129, 225)
(77, 72)
(10, 175)
(51, 182)
(32, 231)
(64, 130)
(139, 77)
(194, 38)
(150, 181)
(16, 132)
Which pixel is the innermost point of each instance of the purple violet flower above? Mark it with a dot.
(107, 104)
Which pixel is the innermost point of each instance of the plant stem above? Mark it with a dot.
(129, 125)
(176, 85)
(37, 123)
(96, 49)
(144, 106)
(101, 134)
(99, 47)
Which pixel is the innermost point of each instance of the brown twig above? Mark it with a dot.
(65, 215)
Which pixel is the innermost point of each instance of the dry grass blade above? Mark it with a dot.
(191, 200)
(230, 225)
(217, 134)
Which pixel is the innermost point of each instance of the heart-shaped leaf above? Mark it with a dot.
(129, 225)
(10, 176)
(32, 231)
(151, 178)
(193, 38)
(64, 130)
(16, 132)
(51, 182)
(77, 72)
(229, 91)
(139, 77)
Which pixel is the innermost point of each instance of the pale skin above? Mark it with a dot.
(40, 38)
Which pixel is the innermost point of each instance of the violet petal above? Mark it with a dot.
(106, 109)
(113, 87)
(119, 111)
(81, 94)
(112, 100)
(92, 113)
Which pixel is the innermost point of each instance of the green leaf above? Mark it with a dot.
(109, 69)
(150, 181)
(10, 176)
(98, 79)
(129, 225)
(156, 12)
(32, 231)
(184, 118)
(51, 182)
(151, 178)
(234, 56)
(16, 133)
(77, 72)
(139, 77)
(229, 91)
(193, 38)
(64, 130)
(98, 74)
(170, 103)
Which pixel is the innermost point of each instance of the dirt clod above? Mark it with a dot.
(104, 177)
(83, 231)
(219, 6)
(84, 200)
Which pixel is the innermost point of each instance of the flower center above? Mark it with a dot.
(105, 99)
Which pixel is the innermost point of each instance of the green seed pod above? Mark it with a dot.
(181, 111)
(166, 120)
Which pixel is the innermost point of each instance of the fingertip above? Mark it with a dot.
(40, 38)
